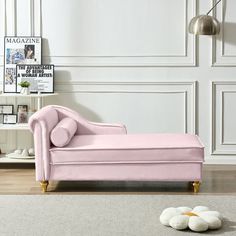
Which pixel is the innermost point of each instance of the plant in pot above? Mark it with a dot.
(24, 87)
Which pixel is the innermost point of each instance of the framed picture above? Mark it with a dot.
(22, 117)
(22, 108)
(19, 50)
(9, 119)
(6, 109)
(40, 77)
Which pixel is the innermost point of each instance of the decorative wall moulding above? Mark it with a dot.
(186, 89)
(1, 61)
(223, 114)
(187, 57)
(2, 30)
(224, 45)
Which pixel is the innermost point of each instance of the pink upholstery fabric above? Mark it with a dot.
(139, 148)
(41, 124)
(63, 132)
(106, 152)
(129, 172)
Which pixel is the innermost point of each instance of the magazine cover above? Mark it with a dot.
(19, 50)
(40, 77)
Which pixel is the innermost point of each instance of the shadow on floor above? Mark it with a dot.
(120, 186)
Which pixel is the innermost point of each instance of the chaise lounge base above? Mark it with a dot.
(103, 152)
(195, 185)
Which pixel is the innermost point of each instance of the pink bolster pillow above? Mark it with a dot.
(63, 132)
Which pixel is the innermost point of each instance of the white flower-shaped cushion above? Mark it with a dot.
(198, 219)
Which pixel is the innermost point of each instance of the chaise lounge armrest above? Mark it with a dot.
(41, 124)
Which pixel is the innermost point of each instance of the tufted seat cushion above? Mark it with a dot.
(132, 148)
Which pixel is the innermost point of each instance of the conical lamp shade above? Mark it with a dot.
(204, 25)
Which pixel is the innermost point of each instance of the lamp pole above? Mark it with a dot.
(213, 7)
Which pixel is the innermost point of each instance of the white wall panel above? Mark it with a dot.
(23, 15)
(2, 32)
(223, 118)
(11, 17)
(142, 107)
(116, 33)
(229, 117)
(224, 45)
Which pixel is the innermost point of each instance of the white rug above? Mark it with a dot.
(103, 215)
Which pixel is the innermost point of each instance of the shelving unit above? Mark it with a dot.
(39, 97)
(4, 159)
(14, 127)
(20, 127)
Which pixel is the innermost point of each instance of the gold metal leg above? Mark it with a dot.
(196, 186)
(44, 185)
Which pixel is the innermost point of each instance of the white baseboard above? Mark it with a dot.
(220, 160)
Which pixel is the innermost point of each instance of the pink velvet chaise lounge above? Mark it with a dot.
(68, 147)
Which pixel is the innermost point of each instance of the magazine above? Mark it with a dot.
(19, 50)
(40, 77)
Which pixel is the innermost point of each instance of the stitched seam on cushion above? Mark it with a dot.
(121, 162)
(102, 149)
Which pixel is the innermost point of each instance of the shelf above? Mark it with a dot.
(4, 159)
(33, 95)
(14, 127)
(23, 127)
